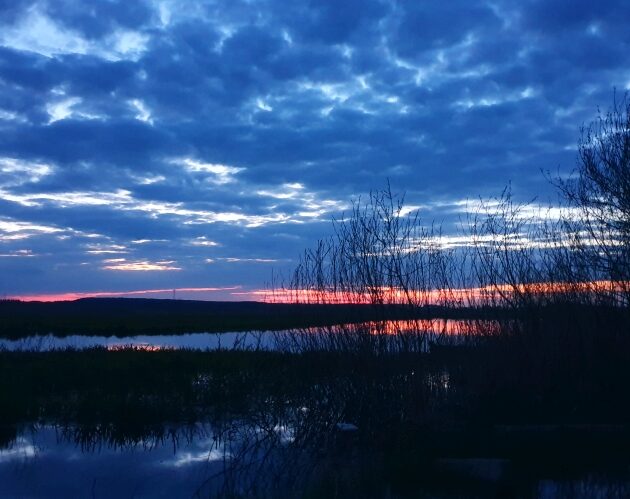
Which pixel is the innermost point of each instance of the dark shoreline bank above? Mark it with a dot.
(129, 316)
(133, 316)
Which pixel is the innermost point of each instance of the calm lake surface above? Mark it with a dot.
(265, 340)
(43, 462)
(48, 462)
(193, 341)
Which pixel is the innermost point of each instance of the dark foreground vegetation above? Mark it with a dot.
(535, 390)
(424, 421)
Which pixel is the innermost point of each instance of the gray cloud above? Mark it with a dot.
(253, 124)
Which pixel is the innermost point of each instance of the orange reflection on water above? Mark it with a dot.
(446, 327)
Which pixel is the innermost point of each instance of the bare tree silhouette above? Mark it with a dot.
(598, 196)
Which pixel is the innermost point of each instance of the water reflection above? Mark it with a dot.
(428, 329)
(43, 462)
(198, 460)
(434, 327)
(47, 461)
(387, 336)
(195, 341)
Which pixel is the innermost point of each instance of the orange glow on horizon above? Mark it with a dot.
(462, 296)
(388, 296)
(70, 296)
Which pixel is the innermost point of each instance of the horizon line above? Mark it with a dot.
(229, 293)
(395, 296)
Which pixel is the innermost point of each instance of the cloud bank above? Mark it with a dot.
(163, 144)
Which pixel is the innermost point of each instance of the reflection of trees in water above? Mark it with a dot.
(273, 417)
(589, 487)
(92, 438)
(293, 438)
(387, 336)
(264, 457)
(8, 435)
(259, 454)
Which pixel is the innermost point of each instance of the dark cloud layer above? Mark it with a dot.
(223, 136)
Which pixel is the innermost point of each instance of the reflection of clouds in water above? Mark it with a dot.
(42, 463)
(256, 340)
(19, 450)
(195, 341)
(285, 432)
(185, 458)
(205, 450)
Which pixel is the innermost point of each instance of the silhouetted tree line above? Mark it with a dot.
(506, 254)
(560, 277)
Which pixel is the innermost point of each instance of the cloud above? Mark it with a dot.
(37, 31)
(13, 229)
(15, 172)
(222, 174)
(25, 253)
(121, 264)
(242, 260)
(185, 132)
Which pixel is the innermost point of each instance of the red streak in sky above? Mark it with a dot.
(167, 293)
(463, 296)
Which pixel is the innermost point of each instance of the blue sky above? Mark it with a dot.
(171, 144)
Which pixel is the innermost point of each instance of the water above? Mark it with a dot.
(264, 340)
(48, 462)
(44, 463)
(196, 460)
(193, 341)
(47, 453)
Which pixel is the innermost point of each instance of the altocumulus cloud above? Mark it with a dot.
(161, 144)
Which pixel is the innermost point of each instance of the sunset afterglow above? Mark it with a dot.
(454, 297)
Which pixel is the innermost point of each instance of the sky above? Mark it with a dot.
(202, 145)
